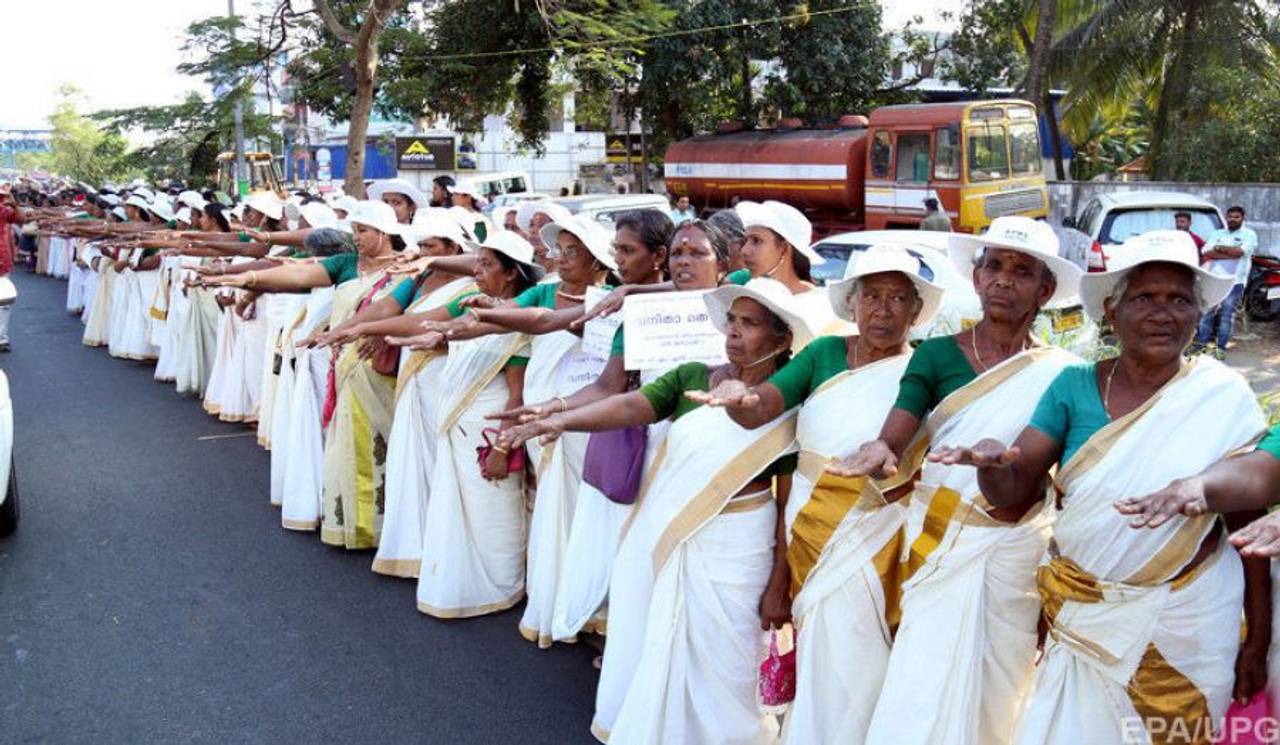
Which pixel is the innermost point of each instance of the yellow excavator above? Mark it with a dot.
(264, 175)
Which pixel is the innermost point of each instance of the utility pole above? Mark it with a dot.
(242, 170)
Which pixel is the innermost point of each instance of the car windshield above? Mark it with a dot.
(1121, 224)
(837, 258)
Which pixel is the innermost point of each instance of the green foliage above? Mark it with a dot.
(1107, 145)
(1229, 131)
(986, 51)
(79, 148)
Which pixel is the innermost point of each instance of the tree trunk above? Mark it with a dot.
(1038, 56)
(1173, 92)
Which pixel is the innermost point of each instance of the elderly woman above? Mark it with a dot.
(473, 544)
(1144, 626)
(843, 537)
(963, 653)
(197, 336)
(684, 636)
(359, 400)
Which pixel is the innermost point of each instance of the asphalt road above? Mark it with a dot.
(150, 594)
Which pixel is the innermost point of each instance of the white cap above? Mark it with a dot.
(511, 245)
(770, 293)
(1034, 238)
(597, 238)
(524, 216)
(345, 203)
(1156, 246)
(162, 209)
(436, 225)
(377, 215)
(318, 215)
(120, 213)
(137, 201)
(878, 259)
(466, 187)
(783, 219)
(267, 203)
(398, 186)
(144, 192)
(110, 199)
(192, 199)
(183, 215)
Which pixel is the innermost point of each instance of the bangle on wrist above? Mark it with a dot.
(252, 279)
(564, 405)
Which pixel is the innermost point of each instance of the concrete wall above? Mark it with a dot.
(1260, 201)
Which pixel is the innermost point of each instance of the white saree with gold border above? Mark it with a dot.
(198, 342)
(843, 545)
(962, 658)
(685, 642)
(1139, 649)
(97, 327)
(411, 446)
(297, 460)
(355, 443)
(473, 539)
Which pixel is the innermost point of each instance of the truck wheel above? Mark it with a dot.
(9, 510)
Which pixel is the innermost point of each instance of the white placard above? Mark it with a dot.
(597, 334)
(668, 329)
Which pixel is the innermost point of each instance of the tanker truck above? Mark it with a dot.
(979, 159)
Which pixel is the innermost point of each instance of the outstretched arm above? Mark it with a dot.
(1008, 477)
(1245, 482)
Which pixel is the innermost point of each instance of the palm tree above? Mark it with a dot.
(1112, 53)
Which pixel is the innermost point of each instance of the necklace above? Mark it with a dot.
(571, 298)
(1106, 388)
(973, 344)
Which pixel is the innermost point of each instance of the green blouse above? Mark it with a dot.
(341, 267)
(936, 370)
(740, 277)
(824, 358)
(1071, 409)
(666, 396)
(1271, 443)
(539, 296)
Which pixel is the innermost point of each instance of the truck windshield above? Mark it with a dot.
(1024, 141)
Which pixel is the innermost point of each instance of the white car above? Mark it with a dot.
(1109, 219)
(606, 208)
(961, 308)
(511, 200)
(8, 477)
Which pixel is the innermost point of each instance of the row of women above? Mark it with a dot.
(917, 514)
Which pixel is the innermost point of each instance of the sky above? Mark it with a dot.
(125, 54)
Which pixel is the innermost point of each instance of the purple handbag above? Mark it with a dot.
(614, 462)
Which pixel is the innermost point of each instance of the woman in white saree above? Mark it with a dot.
(358, 403)
(962, 657)
(1144, 626)
(473, 542)
(432, 295)
(685, 599)
(840, 580)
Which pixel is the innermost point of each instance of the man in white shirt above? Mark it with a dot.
(1227, 251)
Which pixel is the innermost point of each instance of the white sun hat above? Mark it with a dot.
(318, 215)
(770, 293)
(162, 209)
(1156, 246)
(237, 211)
(266, 203)
(120, 213)
(525, 214)
(470, 188)
(110, 199)
(1034, 238)
(398, 186)
(137, 201)
(597, 238)
(183, 215)
(143, 192)
(192, 199)
(376, 214)
(878, 259)
(511, 245)
(345, 203)
(783, 219)
(435, 225)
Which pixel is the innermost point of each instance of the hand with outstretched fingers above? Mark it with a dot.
(988, 453)
(1260, 538)
(1181, 497)
(875, 459)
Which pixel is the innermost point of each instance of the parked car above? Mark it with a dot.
(1062, 327)
(1109, 219)
(605, 208)
(8, 475)
(512, 199)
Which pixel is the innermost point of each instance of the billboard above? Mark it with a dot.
(425, 153)
(616, 148)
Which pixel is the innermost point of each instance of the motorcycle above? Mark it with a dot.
(1262, 293)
